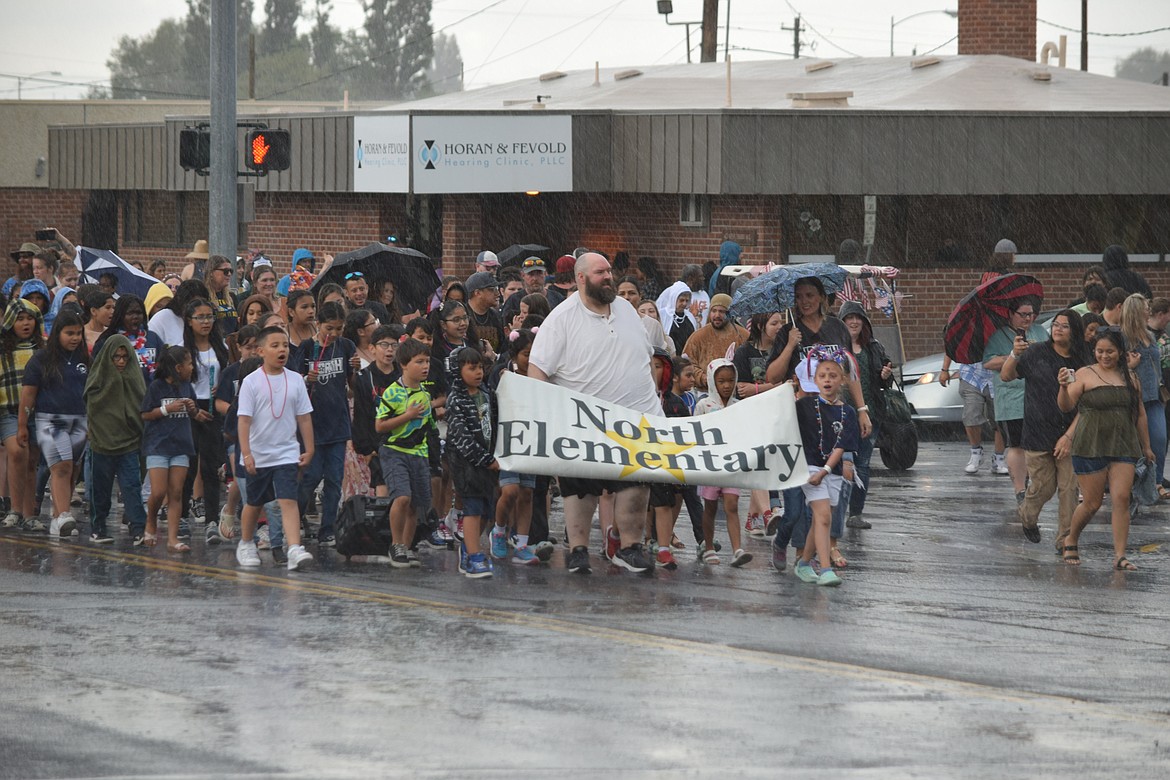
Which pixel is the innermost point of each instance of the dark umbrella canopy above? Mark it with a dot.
(95, 262)
(775, 290)
(982, 312)
(517, 252)
(411, 272)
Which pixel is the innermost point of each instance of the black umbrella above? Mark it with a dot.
(412, 272)
(517, 252)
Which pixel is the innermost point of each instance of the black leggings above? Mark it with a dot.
(210, 454)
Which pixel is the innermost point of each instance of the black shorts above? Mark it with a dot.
(592, 487)
(1012, 432)
(662, 494)
(376, 472)
(435, 453)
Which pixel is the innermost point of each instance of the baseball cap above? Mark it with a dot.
(480, 280)
(487, 258)
(566, 264)
(1005, 246)
(532, 264)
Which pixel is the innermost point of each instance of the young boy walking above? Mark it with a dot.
(273, 407)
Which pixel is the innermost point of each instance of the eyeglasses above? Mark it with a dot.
(121, 358)
(1025, 313)
(371, 323)
(224, 270)
(204, 318)
(354, 275)
(386, 345)
(457, 320)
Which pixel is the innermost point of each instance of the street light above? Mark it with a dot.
(893, 24)
(666, 8)
(20, 79)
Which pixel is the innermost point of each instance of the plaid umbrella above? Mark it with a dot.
(775, 290)
(982, 312)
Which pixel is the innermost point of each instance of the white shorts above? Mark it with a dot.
(829, 489)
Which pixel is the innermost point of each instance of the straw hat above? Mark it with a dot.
(199, 252)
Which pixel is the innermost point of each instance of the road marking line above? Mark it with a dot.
(773, 659)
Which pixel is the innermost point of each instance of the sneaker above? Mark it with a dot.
(444, 533)
(635, 558)
(184, 529)
(462, 558)
(227, 525)
(263, 540)
(247, 555)
(828, 577)
(398, 557)
(779, 558)
(740, 558)
(1032, 533)
(613, 543)
(435, 540)
(326, 540)
(522, 556)
(478, 566)
(857, 521)
(12, 520)
(544, 551)
(499, 537)
(412, 558)
(665, 559)
(579, 560)
(1000, 466)
(1020, 496)
(212, 536)
(755, 526)
(771, 520)
(976, 461)
(63, 525)
(33, 525)
(805, 571)
(138, 539)
(279, 556)
(299, 558)
(101, 537)
(198, 512)
(458, 532)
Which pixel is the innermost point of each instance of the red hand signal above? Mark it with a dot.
(260, 149)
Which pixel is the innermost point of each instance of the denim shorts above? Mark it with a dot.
(829, 489)
(1084, 466)
(164, 462)
(477, 506)
(272, 483)
(61, 437)
(514, 478)
(406, 475)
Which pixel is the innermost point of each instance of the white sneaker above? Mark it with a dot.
(1000, 467)
(298, 558)
(247, 555)
(63, 525)
(976, 461)
(262, 539)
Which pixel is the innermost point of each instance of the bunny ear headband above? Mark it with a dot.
(512, 336)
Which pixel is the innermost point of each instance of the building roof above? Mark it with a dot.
(952, 83)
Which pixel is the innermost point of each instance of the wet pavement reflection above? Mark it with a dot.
(953, 648)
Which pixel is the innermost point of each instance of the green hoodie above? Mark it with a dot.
(113, 400)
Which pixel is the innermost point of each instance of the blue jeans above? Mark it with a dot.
(861, 460)
(795, 521)
(1156, 423)
(271, 511)
(101, 470)
(328, 462)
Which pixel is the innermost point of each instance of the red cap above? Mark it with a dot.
(566, 264)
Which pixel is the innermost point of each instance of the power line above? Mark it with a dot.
(817, 32)
(936, 48)
(1101, 34)
(507, 30)
(584, 38)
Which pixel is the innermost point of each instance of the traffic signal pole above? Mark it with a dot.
(223, 230)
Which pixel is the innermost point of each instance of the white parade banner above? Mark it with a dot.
(752, 444)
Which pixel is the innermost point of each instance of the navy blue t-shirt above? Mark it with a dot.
(331, 423)
(59, 396)
(838, 428)
(169, 436)
(226, 391)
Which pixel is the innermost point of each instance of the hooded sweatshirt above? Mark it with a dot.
(672, 405)
(55, 306)
(729, 253)
(712, 402)
(870, 360)
(1119, 274)
(678, 327)
(36, 286)
(12, 363)
(158, 293)
(471, 437)
(113, 399)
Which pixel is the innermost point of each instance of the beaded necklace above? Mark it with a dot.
(271, 400)
(838, 427)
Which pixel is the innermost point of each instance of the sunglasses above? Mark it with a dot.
(354, 275)
(534, 262)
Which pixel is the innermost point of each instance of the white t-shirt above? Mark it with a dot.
(274, 402)
(168, 326)
(207, 378)
(603, 356)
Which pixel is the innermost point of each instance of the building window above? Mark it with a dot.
(164, 219)
(694, 210)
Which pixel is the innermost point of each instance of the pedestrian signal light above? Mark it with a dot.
(268, 150)
(194, 149)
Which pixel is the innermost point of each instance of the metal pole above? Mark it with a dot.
(223, 232)
(251, 66)
(688, 43)
(891, 36)
(727, 32)
(1085, 35)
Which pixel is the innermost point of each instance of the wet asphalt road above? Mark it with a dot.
(953, 649)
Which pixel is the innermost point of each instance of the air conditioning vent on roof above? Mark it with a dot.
(828, 99)
(622, 75)
(924, 62)
(813, 67)
(552, 75)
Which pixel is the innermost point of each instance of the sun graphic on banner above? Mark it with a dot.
(648, 441)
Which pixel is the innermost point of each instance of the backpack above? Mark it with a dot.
(363, 527)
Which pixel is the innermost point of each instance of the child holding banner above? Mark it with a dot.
(721, 379)
(828, 429)
(665, 499)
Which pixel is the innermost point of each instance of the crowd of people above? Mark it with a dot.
(246, 409)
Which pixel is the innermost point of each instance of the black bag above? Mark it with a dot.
(897, 407)
(363, 527)
(898, 438)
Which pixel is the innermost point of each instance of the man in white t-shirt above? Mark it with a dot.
(594, 343)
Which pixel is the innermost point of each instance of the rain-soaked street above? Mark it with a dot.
(953, 649)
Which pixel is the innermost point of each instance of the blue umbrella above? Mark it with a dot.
(774, 291)
(95, 262)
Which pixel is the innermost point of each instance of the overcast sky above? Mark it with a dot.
(515, 39)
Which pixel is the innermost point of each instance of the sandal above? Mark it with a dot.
(1163, 493)
(837, 559)
(1071, 560)
(711, 558)
(149, 539)
(1124, 564)
(677, 543)
(181, 547)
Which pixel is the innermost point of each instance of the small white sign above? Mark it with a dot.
(870, 229)
(871, 204)
(492, 153)
(381, 153)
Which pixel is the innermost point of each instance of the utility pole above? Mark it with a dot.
(1085, 35)
(251, 66)
(796, 30)
(710, 42)
(223, 232)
